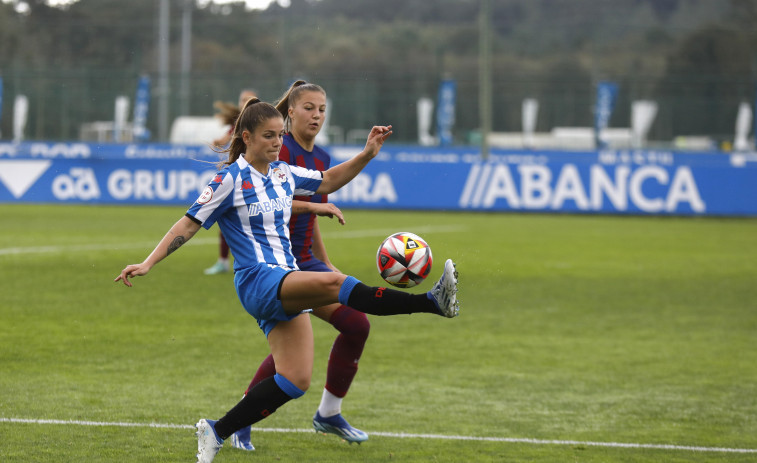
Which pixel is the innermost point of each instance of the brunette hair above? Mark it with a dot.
(251, 116)
(229, 112)
(290, 97)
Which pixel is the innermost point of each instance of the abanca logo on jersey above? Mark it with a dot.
(272, 205)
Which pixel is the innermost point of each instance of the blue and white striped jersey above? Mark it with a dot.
(253, 210)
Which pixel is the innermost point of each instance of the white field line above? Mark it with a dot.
(512, 440)
(347, 234)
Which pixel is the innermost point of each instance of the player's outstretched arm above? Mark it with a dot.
(181, 232)
(341, 174)
(326, 210)
(321, 209)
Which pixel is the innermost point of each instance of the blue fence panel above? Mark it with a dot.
(405, 177)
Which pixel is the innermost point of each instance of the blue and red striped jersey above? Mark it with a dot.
(301, 226)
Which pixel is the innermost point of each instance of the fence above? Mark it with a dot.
(62, 103)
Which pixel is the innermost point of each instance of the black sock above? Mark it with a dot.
(262, 400)
(385, 301)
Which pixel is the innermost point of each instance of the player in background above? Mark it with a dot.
(251, 201)
(227, 113)
(304, 109)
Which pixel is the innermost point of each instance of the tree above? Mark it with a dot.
(707, 76)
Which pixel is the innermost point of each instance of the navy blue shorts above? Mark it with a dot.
(313, 265)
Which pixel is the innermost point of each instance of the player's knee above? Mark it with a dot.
(294, 385)
(301, 381)
(363, 327)
(357, 325)
(332, 283)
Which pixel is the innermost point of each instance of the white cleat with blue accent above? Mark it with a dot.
(338, 426)
(241, 439)
(208, 442)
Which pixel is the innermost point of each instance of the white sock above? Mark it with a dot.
(330, 404)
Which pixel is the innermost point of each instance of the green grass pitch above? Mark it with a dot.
(577, 335)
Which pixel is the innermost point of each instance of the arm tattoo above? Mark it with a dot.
(175, 244)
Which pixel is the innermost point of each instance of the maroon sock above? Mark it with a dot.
(223, 247)
(265, 370)
(347, 349)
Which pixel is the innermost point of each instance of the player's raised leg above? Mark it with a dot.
(322, 288)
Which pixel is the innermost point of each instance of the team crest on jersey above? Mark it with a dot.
(279, 175)
(206, 196)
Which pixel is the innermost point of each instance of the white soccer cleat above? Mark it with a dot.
(208, 442)
(444, 292)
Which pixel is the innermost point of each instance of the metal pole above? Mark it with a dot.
(162, 88)
(484, 76)
(186, 55)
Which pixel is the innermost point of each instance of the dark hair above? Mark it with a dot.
(252, 115)
(227, 112)
(290, 97)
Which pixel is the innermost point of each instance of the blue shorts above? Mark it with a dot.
(258, 290)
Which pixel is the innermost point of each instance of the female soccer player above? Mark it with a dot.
(251, 199)
(304, 109)
(227, 113)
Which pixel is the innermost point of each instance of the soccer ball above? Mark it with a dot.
(404, 260)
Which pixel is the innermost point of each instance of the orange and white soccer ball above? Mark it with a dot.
(404, 260)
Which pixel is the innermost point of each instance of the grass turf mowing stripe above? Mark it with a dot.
(512, 440)
(206, 241)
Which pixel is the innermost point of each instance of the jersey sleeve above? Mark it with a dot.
(306, 181)
(214, 200)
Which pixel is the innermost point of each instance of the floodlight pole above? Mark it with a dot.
(484, 76)
(163, 88)
(186, 55)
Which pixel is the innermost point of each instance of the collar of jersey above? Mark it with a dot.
(243, 164)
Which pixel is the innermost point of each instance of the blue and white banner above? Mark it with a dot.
(141, 107)
(640, 182)
(606, 95)
(445, 112)
(607, 182)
